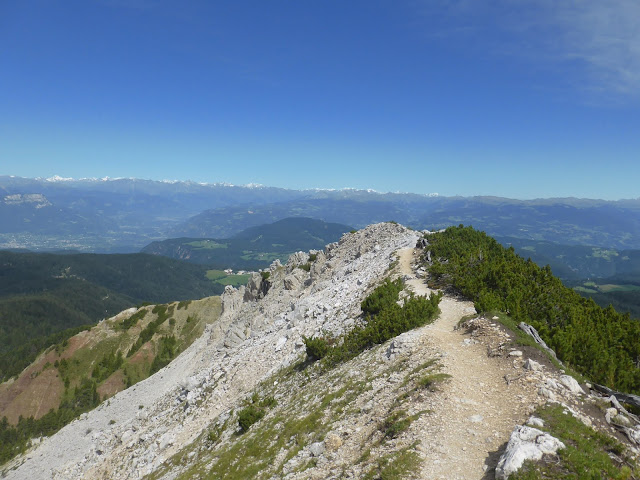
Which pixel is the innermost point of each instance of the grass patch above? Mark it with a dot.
(402, 464)
(221, 278)
(609, 287)
(430, 381)
(207, 245)
(395, 424)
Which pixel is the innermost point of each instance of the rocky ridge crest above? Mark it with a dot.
(260, 331)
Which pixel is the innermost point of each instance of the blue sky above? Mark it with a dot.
(521, 99)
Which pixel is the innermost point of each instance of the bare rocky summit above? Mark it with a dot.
(440, 401)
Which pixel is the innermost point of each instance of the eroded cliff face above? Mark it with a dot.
(439, 401)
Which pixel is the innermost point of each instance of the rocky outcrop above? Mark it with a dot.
(526, 443)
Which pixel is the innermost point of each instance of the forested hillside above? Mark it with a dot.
(607, 275)
(255, 247)
(76, 374)
(598, 342)
(42, 295)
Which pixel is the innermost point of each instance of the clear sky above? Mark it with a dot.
(522, 99)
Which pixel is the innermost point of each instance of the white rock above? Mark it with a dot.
(316, 449)
(535, 422)
(515, 353)
(547, 393)
(571, 383)
(532, 365)
(280, 343)
(166, 440)
(476, 418)
(526, 443)
(622, 420)
(126, 435)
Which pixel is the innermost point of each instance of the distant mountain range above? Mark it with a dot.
(123, 215)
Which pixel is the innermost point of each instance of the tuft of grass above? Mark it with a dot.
(431, 380)
(395, 424)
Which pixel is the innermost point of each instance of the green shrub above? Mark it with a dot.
(152, 327)
(166, 353)
(183, 304)
(265, 275)
(106, 366)
(248, 416)
(268, 402)
(382, 297)
(306, 266)
(429, 381)
(133, 319)
(388, 323)
(599, 343)
(313, 257)
(317, 348)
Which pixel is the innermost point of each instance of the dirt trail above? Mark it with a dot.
(476, 411)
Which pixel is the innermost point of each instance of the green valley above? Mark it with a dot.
(255, 247)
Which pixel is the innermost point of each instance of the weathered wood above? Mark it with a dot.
(627, 398)
(533, 333)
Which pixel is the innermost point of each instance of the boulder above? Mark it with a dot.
(535, 422)
(571, 384)
(316, 449)
(236, 335)
(532, 365)
(295, 279)
(526, 443)
(254, 288)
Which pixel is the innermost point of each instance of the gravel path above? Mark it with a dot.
(476, 411)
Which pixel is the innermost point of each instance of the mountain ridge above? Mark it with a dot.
(123, 215)
(391, 411)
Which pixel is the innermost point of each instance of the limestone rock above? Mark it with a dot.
(526, 443)
(296, 259)
(318, 266)
(535, 422)
(532, 365)
(295, 279)
(235, 336)
(316, 449)
(256, 288)
(571, 383)
(232, 299)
